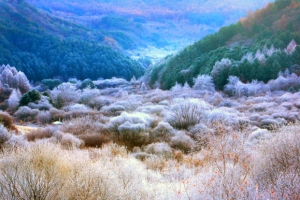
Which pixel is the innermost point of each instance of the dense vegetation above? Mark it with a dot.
(140, 23)
(255, 48)
(45, 47)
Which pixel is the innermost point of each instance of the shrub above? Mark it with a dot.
(160, 148)
(50, 83)
(7, 121)
(186, 113)
(132, 129)
(277, 160)
(24, 113)
(44, 117)
(4, 135)
(204, 82)
(87, 83)
(31, 96)
(42, 104)
(40, 133)
(64, 95)
(14, 99)
(182, 142)
(162, 132)
(70, 141)
(95, 140)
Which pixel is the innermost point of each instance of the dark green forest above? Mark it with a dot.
(45, 47)
(255, 48)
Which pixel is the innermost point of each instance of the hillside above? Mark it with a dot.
(142, 24)
(255, 48)
(43, 46)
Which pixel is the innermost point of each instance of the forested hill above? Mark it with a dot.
(257, 47)
(44, 47)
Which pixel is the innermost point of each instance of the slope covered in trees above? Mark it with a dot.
(257, 47)
(44, 47)
(159, 23)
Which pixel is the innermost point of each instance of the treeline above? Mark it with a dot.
(39, 55)
(263, 37)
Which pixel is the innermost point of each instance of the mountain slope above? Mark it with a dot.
(253, 48)
(44, 47)
(159, 23)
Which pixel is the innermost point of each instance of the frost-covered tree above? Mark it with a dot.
(204, 82)
(220, 72)
(14, 99)
(291, 47)
(64, 95)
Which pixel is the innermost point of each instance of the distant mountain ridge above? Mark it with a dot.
(255, 48)
(43, 46)
(160, 23)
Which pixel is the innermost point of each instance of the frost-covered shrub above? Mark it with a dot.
(182, 142)
(44, 117)
(87, 95)
(270, 124)
(262, 107)
(14, 99)
(285, 82)
(222, 115)
(186, 112)
(42, 104)
(77, 107)
(277, 157)
(118, 107)
(257, 135)
(133, 134)
(99, 102)
(64, 95)
(204, 82)
(216, 99)
(16, 141)
(220, 72)
(57, 115)
(4, 135)
(25, 113)
(228, 103)
(70, 141)
(113, 109)
(235, 87)
(162, 132)
(158, 110)
(160, 148)
(84, 125)
(132, 128)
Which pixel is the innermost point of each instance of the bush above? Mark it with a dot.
(182, 142)
(7, 121)
(50, 83)
(162, 132)
(87, 83)
(40, 133)
(44, 117)
(42, 104)
(24, 113)
(186, 113)
(69, 141)
(31, 96)
(64, 95)
(277, 160)
(95, 140)
(4, 135)
(159, 148)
